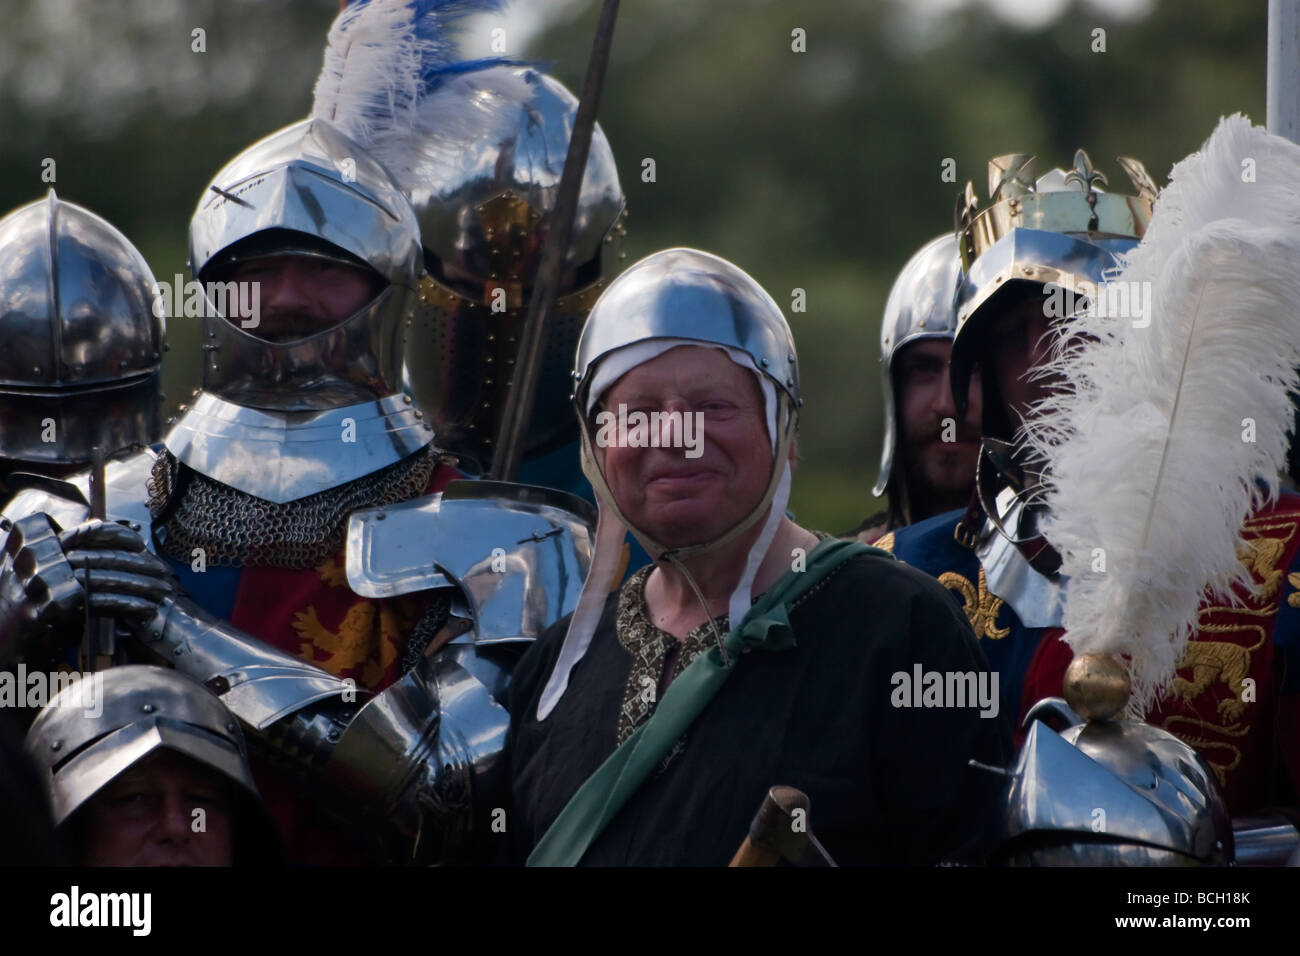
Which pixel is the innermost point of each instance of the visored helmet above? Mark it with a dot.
(82, 359)
(484, 183)
(1114, 792)
(1061, 230)
(306, 190)
(479, 147)
(920, 306)
(102, 724)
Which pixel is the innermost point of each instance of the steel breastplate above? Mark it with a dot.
(283, 456)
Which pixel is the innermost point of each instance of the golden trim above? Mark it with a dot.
(885, 542)
(980, 605)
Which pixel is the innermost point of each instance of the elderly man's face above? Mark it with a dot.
(682, 501)
(146, 817)
(302, 295)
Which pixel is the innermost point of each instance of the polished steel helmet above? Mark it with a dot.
(82, 359)
(483, 177)
(920, 306)
(1113, 792)
(101, 724)
(688, 294)
(306, 190)
(1061, 229)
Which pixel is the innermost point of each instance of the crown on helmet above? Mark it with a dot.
(1061, 229)
(1018, 201)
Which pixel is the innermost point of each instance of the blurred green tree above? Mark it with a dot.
(818, 170)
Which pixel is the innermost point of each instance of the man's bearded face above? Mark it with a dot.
(303, 295)
(939, 451)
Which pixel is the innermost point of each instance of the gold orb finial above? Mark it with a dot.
(1096, 686)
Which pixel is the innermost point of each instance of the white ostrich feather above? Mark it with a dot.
(1144, 450)
(370, 79)
(392, 80)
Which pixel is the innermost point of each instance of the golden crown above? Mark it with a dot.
(1017, 201)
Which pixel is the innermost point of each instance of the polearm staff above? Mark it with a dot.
(1283, 92)
(509, 441)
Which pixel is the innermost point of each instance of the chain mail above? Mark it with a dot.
(426, 629)
(234, 528)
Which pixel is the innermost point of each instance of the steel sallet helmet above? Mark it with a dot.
(1061, 229)
(1112, 792)
(87, 736)
(483, 179)
(920, 306)
(307, 190)
(84, 342)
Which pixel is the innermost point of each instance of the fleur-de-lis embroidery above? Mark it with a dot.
(1293, 598)
(980, 605)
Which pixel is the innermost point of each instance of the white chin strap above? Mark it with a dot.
(612, 527)
(742, 598)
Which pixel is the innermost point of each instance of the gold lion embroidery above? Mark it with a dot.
(1189, 730)
(981, 607)
(1211, 662)
(1260, 556)
(333, 573)
(357, 644)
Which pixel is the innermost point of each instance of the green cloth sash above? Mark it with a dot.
(767, 625)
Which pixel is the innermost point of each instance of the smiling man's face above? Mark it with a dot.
(682, 501)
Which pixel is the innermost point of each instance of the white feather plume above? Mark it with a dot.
(1145, 449)
(370, 80)
(393, 81)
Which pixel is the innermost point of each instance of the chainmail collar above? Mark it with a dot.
(191, 511)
